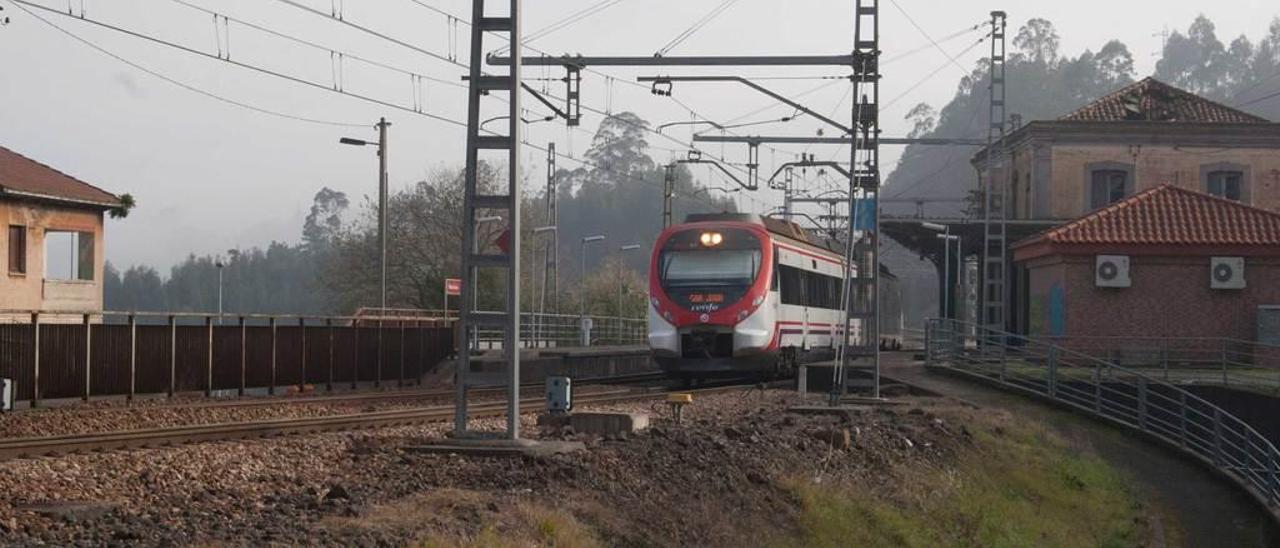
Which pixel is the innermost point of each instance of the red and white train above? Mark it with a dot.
(740, 293)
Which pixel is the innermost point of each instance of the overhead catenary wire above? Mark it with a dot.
(562, 23)
(925, 33)
(695, 27)
(609, 77)
(184, 85)
(314, 45)
(23, 4)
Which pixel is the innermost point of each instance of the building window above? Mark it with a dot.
(17, 249)
(1226, 180)
(1107, 186)
(68, 255)
(1226, 184)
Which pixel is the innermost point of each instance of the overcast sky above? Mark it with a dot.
(210, 176)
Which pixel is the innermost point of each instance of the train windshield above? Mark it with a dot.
(705, 269)
(721, 267)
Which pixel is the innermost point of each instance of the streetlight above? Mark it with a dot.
(586, 240)
(382, 126)
(542, 293)
(623, 249)
(946, 263)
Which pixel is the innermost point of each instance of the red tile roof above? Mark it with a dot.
(1155, 101)
(1168, 216)
(23, 177)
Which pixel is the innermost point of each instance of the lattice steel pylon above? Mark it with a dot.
(862, 275)
(481, 86)
(995, 269)
(551, 259)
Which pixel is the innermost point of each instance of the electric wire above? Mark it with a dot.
(255, 68)
(693, 29)
(185, 85)
(928, 37)
(314, 45)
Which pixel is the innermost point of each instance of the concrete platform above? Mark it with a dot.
(600, 424)
(479, 447)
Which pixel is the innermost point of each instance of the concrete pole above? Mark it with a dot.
(383, 124)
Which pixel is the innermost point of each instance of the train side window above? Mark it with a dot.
(791, 282)
(773, 281)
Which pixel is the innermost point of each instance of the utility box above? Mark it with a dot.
(559, 395)
(6, 394)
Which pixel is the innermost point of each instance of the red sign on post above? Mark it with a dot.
(452, 286)
(504, 241)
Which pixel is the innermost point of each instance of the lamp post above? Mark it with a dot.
(475, 295)
(586, 240)
(944, 306)
(950, 287)
(542, 293)
(382, 126)
(584, 322)
(623, 249)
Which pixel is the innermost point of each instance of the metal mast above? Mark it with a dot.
(481, 86)
(551, 265)
(668, 192)
(862, 273)
(994, 250)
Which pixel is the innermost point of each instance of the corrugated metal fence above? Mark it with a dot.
(61, 355)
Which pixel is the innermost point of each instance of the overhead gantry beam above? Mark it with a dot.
(679, 61)
(758, 140)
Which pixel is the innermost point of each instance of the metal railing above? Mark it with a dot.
(565, 330)
(83, 354)
(1186, 360)
(1129, 397)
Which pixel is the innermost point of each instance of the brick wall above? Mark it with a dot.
(1170, 297)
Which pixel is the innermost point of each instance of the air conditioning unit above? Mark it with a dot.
(1226, 272)
(1112, 271)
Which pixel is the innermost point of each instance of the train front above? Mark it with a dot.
(710, 311)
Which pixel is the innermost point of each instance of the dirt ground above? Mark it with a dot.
(739, 470)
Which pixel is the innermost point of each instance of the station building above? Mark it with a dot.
(1166, 262)
(52, 245)
(1140, 137)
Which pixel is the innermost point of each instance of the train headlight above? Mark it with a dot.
(653, 301)
(757, 301)
(711, 239)
(742, 315)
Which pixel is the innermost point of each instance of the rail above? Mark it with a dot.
(1132, 398)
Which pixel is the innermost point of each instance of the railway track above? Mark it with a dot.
(363, 397)
(168, 436)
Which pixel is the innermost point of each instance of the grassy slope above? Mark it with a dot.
(1021, 486)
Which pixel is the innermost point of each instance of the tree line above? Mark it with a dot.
(333, 269)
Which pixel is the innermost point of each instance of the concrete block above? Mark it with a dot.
(498, 447)
(599, 424)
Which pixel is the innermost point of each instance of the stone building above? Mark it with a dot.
(1137, 137)
(1166, 262)
(1141, 136)
(52, 244)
